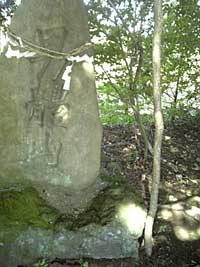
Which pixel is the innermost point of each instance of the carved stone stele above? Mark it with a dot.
(49, 136)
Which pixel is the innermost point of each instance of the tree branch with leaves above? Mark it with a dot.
(122, 27)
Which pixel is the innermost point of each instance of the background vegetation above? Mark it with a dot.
(123, 33)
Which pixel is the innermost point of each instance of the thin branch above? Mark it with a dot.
(121, 46)
(139, 67)
(119, 15)
(114, 86)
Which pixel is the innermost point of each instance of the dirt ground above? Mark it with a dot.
(179, 188)
(176, 230)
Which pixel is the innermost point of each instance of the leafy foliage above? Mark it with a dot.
(7, 7)
(124, 34)
(181, 55)
(118, 27)
(112, 110)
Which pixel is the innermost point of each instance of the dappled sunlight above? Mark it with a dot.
(178, 207)
(184, 216)
(18, 2)
(167, 138)
(181, 233)
(189, 193)
(195, 181)
(166, 214)
(172, 198)
(194, 212)
(88, 68)
(62, 114)
(185, 234)
(132, 216)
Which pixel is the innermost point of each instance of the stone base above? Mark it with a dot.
(108, 242)
(108, 227)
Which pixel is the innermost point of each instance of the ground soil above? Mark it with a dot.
(180, 173)
(122, 153)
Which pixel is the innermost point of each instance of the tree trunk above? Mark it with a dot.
(147, 144)
(158, 126)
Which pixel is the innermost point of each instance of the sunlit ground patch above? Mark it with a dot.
(132, 216)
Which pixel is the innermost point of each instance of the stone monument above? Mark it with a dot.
(50, 128)
(52, 202)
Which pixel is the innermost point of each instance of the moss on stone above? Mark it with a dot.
(21, 208)
(103, 208)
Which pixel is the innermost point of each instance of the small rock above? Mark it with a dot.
(179, 176)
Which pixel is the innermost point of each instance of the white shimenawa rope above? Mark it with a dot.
(24, 48)
(67, 74)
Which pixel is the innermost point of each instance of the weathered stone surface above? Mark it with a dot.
(49, 135)
(93, 242)
(108, 228)
(51, 202)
